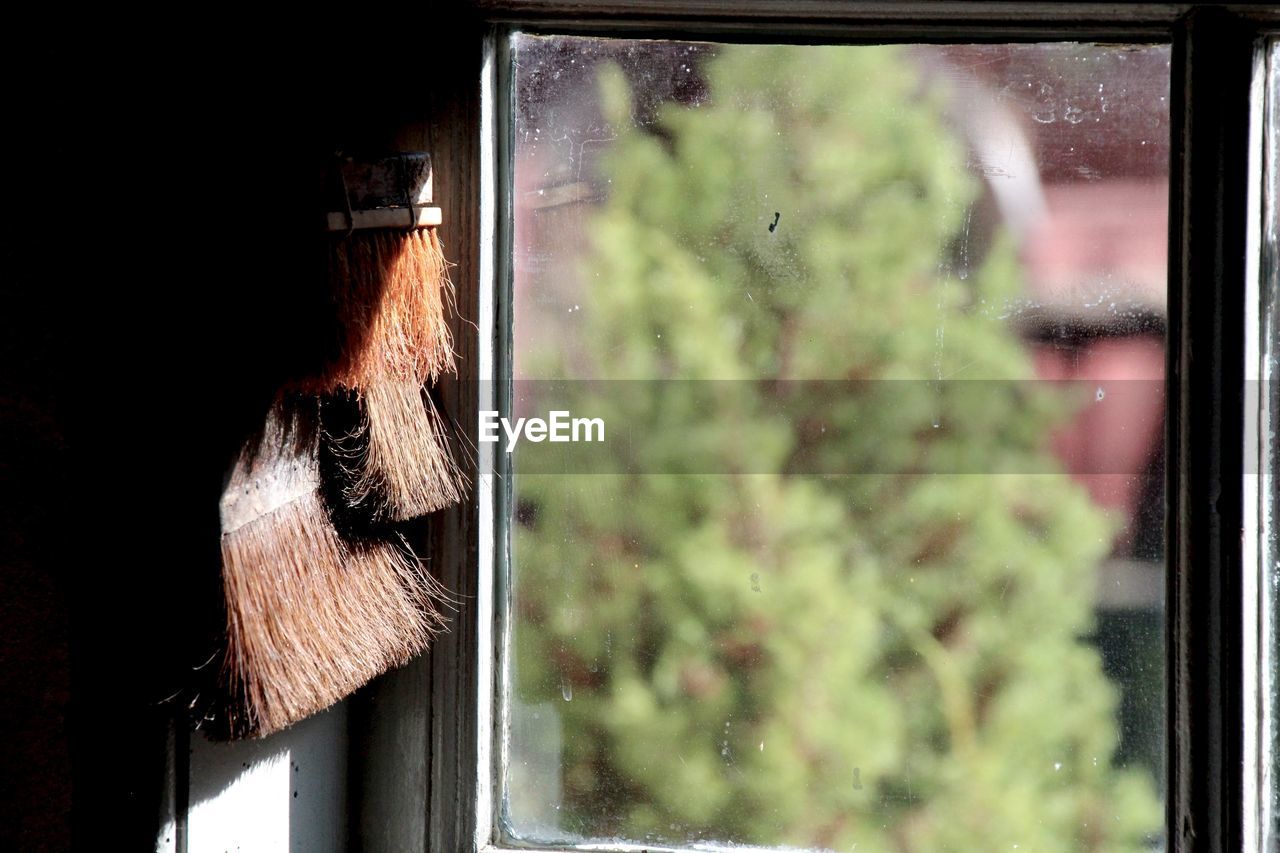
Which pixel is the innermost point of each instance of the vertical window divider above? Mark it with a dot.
(494, 392)
(1209, 187)
(1256, 480)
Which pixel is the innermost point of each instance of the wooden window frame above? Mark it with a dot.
(426, 770)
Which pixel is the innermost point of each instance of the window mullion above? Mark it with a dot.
(1212, 61)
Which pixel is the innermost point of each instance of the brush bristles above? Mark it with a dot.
(391, 289)
(311, 616)
(398, 463)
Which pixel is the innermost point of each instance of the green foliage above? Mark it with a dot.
(882, 660)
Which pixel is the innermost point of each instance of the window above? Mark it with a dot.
(828, 599)
(1215, 778)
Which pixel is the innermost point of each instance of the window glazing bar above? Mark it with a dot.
(1209, 189)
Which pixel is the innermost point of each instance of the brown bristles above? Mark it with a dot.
(392, 293)
(398, 462)
(391, 290)
(311, 616)
(315, 610)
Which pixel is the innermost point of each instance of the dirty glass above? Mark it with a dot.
(849, 532)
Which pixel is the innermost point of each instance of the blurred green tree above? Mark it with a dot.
(886, 660)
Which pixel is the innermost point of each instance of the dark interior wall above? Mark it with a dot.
(159, 283)
(35, 680)
(35, 648)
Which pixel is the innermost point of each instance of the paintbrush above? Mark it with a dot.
(311, 614)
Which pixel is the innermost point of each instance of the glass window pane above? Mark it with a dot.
(870, 553)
